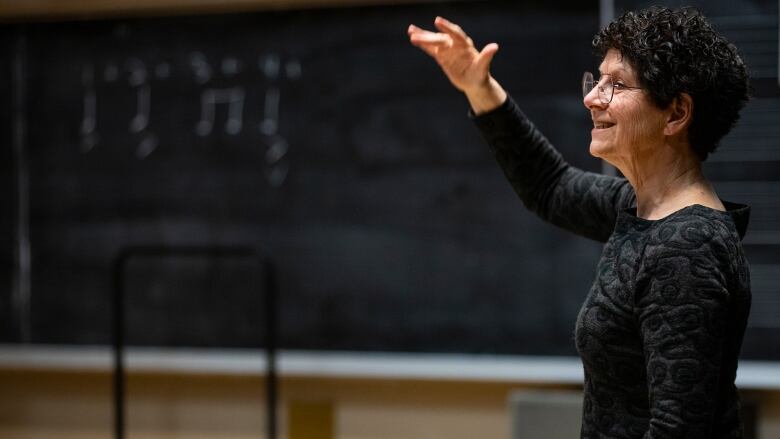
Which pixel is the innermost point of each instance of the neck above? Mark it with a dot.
(667, 179)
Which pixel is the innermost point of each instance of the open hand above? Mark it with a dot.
(454, 51)
(467, 68)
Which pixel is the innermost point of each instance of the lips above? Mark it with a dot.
(602, 125)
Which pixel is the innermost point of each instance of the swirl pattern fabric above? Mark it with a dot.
(660, 330)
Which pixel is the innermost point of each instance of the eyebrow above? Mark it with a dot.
(614, 73)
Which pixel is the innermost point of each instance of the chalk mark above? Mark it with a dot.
(209, 99)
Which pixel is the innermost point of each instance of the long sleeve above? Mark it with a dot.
(683, 308)
(583, 202)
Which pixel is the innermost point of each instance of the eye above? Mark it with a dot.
(619, 85)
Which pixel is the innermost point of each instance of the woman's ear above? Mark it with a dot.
(680, 115)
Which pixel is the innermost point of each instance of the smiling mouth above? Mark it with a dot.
(603, 126)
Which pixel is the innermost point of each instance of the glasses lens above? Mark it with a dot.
(587, 83)
(605, 91)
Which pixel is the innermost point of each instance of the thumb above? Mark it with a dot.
(485, 57)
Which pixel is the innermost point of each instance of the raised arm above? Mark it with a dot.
(467, 68)
(582, 202)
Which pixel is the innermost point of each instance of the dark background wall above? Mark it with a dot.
(325, 139)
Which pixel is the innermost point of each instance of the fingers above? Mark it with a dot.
(486, 56)
(429, 42)
(451, 35)
(422, 36)
(453, 30)
(412, 29)
(431, 50)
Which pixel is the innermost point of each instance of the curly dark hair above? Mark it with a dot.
(676, 51)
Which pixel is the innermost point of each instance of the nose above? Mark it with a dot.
(592, 101)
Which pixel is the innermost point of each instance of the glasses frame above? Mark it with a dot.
(589, 83)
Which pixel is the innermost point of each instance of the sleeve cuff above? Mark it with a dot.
(505, 108)
(505, 118)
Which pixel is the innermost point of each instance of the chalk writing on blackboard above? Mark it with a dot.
(210, 99)
(222, 93)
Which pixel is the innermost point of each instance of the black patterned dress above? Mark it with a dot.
(660, 331)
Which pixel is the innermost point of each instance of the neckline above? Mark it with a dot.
(738, 213)
(631, 211)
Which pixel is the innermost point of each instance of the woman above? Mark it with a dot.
(660, 331)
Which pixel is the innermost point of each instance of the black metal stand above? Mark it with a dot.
(270, 289)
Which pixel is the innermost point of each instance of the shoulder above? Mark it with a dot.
(693, 231)
(693, 276)
(694, 250)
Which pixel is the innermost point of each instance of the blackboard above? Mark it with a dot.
(8, 323)
(320, 136)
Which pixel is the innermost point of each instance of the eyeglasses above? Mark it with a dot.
(606, 89)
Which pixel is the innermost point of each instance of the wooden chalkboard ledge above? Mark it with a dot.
(756, 375)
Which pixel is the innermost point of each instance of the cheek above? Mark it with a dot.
(642, 127)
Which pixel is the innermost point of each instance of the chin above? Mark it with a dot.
(602, 152)
(597, 150)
